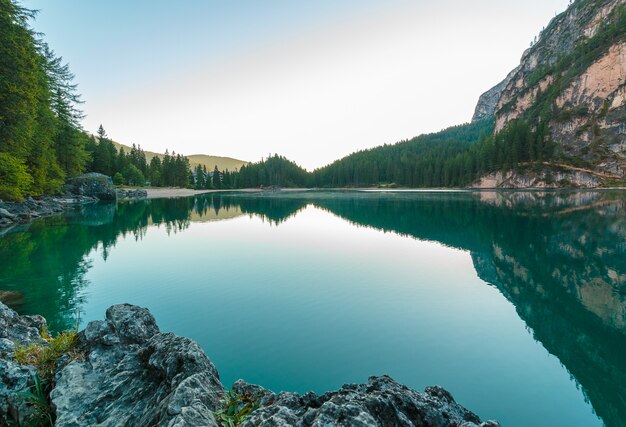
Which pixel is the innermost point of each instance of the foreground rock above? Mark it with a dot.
(133, 374)
(92, 185)
(380, 402)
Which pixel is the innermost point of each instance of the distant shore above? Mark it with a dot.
(170, 192)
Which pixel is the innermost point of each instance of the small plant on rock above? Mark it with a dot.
(235, 409)
(45, 357)
(38, 398)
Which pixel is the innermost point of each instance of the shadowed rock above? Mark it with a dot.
(135, 375)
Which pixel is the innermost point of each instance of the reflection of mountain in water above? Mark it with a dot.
(560, 260)
(558, 257)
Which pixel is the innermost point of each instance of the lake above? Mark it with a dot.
(513, 301)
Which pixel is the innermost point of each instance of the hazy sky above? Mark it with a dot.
(312, 80)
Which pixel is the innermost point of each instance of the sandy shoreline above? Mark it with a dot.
(160, 193)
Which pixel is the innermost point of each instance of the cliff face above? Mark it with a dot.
(488, 101)
(574, 81)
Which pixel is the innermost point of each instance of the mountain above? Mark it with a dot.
(572, 82)
(210, 162)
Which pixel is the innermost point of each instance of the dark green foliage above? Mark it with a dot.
(38, 399)
(38, 109)
(274, 171)
(453, 157)
(14, 178)
(424, 161)
(133, 167)
(133, 175)
(216, 178)
(118, 179)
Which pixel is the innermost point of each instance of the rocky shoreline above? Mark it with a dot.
(80, 190)
(13, 213)
(124, 371)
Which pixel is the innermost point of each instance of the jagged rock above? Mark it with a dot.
(92, 185)
(488, 101)
(132, 374)
(24, 330)
(135, 375)
(380, 402)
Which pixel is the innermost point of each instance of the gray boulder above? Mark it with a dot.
(135, 375)
(92, 185)
(380, 402)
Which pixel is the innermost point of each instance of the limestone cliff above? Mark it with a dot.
(573, 79)
(488, 101)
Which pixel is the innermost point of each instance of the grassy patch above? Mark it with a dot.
(45, 357)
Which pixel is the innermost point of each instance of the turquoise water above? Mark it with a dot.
(514, 302)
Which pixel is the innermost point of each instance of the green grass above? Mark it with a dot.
(45, 357)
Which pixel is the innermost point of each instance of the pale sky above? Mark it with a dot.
(312, 80)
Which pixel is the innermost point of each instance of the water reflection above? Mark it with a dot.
(559, 257)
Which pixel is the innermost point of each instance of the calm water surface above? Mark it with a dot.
(515, 302)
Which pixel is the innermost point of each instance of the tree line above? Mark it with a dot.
(453, 157)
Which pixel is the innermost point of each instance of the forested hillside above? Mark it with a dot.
(427, 160)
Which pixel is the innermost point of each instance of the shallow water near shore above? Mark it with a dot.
(513, 301)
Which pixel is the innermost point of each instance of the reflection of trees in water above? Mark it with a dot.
(558, 257)
(47, 261)
(274, 209)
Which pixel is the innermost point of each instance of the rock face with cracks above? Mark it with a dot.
(133, 374)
